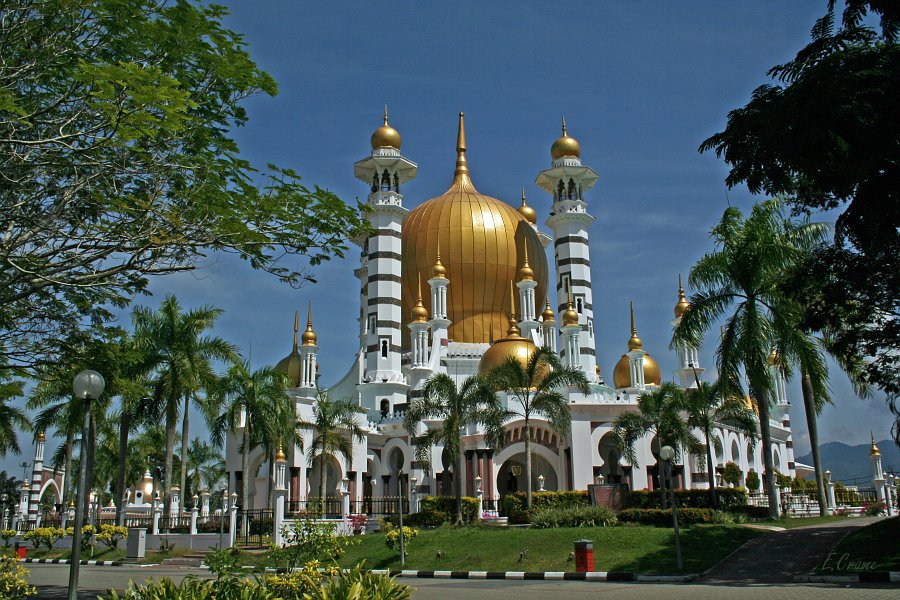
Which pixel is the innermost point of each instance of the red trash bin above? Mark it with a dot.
(584, 556)
(20, 551)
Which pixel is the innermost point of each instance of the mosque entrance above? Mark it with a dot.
(511, 476)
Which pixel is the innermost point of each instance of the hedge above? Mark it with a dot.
(513, 505)
(753, 512)
(728, 498)
(425, 518)
(447, 506)
(572, 516)
(661, 517)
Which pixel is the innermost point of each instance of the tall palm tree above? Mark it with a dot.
(181, 359)
(659, 414)
(538, 390)
(12, 419)
(741, 280)
(473, 403)
(207, 466)
(706, 406)
(334, 428)
(261, 397)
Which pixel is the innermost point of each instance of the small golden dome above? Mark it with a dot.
(309, 336)
(439, 271)
(634, 343)
(40, 436)
(597, 370)
(622, 372)
(526, 211)
(874, 451)
(386, 136)
(526, 273)
(683, 304)
(774, 359)
(548, 315)
(565, 145)
(419, 312)
(569, 316)
(290, 364)
(279, 456)
(513, 345)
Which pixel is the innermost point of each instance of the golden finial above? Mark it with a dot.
(526, 273)
(386, 136)
(635, 342)
(565, 145)
(526, 211)
(385, 115)
(774, 359)
(548, 315)
(40, 436)
(296, 327)
(570, 315)
(461, 175)
(874, 451)
(564, 132)
(419, 312)
(309, 337)
(439, 271)
(279, 456)
(512, 303)
(683, 304)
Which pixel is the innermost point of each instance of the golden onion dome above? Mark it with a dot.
(774, 359)
(513, 345)
(634, 342)
(874, 451)
(40, 436)
(548, 315)
(279, 456)
(569, 316)
(565, 145)
(419, 312)
(683, 304)
(309, 336)
(439, 271)
(622, 372)
(386, 136)
(526, 211)
(481, 241)
(526, 273)
(290, 364)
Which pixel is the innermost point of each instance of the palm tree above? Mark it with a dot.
(537, 387)
(334, 428)
(705, 407)
(742, 276)
(180, 356)
(12, 419)
(261, 396)
(659, 414)
(473, 403)
(207, 466)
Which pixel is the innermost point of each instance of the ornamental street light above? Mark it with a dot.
(87, 385)
(667, 454)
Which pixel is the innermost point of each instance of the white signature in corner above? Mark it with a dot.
(843, 562)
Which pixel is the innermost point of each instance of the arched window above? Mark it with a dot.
(385, 181)
(375, 183)
(396, 183)
(561, 190)
(571, 189)
(385, 407)
(384, 349)
(579, 305)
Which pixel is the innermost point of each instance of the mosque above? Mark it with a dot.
(456, 285)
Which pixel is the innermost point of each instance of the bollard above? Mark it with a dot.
(584, 556)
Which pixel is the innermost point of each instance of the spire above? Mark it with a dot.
(419, 312)
(439, 270)
(874, 451)
(526, 211)
(461, 175)
(683, 304)
(564, 132)
(309, 336)
(296, 327)
(635, 342)
(570, 315)
(513, 331)
(385, 116)
(526, 273)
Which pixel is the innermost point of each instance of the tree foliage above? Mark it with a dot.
(826, 134)
(116, 164)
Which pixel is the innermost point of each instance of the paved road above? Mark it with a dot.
(52, 580)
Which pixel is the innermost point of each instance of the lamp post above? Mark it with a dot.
(87, 385)
(400, 491)
(667, 453)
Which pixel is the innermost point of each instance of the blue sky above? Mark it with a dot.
(641, 84)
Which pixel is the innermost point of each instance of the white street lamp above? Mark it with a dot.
(88, 385)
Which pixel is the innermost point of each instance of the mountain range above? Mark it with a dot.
(852, 464)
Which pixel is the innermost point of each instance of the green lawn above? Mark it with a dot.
(803, 522)
(648, 550)
(871, 548)
(103, 553)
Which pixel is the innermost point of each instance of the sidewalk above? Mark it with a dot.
(779, 556)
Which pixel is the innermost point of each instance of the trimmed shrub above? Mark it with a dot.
(110, 535)
(513, 505)
(14, 578)
(447, 506)
(44, 536)
(752, 512)
(660, 517)
(574, 516)
(752, 481)
(731, 473)
(728, 498)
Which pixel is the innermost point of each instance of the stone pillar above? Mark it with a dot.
(829, 494)
(157, 514)
(345, 497)
(232, 520)
(479, 493)
(194, 513)
(174, 501)
(204, 503)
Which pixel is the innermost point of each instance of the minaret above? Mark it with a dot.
(780, 386)
(438, 283)
(526, 284)
(385, 170)
(548, 325)
(571, 334)
(635, 355)
(37, 476)
(418, 328)
(567, 180)
(308, 352)
(877, 472)
(689, 370)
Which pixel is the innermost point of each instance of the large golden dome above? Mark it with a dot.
(481, 241)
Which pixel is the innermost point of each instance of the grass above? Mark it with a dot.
(870, 548)
(103, 553)
(647, 550)
(793, 523)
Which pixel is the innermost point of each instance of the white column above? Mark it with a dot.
(204, 503)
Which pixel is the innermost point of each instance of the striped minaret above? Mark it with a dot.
(37, 476)
(385, 170)
(567, 180)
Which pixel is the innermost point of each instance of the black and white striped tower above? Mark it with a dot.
(567, 180)
(37, 477)
(385, 170)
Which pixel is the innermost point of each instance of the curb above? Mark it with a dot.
(535, 575)
(93, 563)
(872, 577)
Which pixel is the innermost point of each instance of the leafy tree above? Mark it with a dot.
(752, 480)
(705, 407)
(9, 485)
(261, 396)
(741, 279)
(12, 419)
(825, 134)
(731, 473)
(536, 389)
(452, 409)
(334, 428)
(180, 357)
(206, 467)
(117, 164)
(658, 414)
